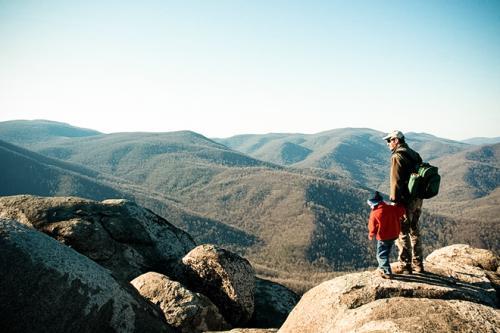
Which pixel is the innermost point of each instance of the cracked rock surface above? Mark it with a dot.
(188, 311)
(121, 236)
(224, 277)
(48, 287)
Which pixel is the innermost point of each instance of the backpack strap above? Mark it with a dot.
(408, 157)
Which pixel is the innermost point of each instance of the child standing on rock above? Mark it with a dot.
(385, 225)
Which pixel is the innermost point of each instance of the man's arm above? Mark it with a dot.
(396, 176)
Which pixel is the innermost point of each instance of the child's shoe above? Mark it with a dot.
(383, 274)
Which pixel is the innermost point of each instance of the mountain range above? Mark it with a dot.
(286, 201)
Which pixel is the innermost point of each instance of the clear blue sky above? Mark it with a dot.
(222, 68)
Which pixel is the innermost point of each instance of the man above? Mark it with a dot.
(404, 161)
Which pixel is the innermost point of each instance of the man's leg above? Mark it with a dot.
(404, 246)
(413, 212)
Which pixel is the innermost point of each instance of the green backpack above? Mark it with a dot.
(424, 183)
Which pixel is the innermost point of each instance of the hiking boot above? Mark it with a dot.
(407, 271)
(383, 274)
(418, 268)
(402, 269)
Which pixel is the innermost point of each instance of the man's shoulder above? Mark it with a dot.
(406, 153)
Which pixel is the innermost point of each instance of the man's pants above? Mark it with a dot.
(383, 251)
(409, 243)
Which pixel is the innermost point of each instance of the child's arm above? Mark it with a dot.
(372, 226)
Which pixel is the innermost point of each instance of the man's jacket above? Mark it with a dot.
(404, 161)
(385, 221)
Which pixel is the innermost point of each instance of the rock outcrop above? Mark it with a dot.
(478, 267)
(48, 287)
(224, 277)
(104, 245)
(273, 303)
(81, 282)
(118, 234)
(453, 295)
(188, 311)
(403, 315)
(462, 256)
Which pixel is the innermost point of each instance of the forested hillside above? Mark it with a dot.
(358, 153)
(300, 218)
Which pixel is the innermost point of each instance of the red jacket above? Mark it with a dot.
(385, 221)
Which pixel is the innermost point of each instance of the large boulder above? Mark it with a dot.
(188, 311)
(430, 302)
(226, 278)
(118, 234)
(404, 315)
(273, 304)
(464, 255)
(48, 287)
(467, 264)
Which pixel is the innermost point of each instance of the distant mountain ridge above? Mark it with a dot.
(482, 141)
(358, 153)
(25, 172)
(24, 132)
(245, 194)
(304, 207)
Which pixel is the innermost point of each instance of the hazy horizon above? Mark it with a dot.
(232, 67)
(242, 134)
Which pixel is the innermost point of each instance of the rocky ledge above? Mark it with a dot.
(70, 264)
(457, 293)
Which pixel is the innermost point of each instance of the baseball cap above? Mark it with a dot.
(394, 134)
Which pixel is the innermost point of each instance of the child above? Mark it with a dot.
(385, 224)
